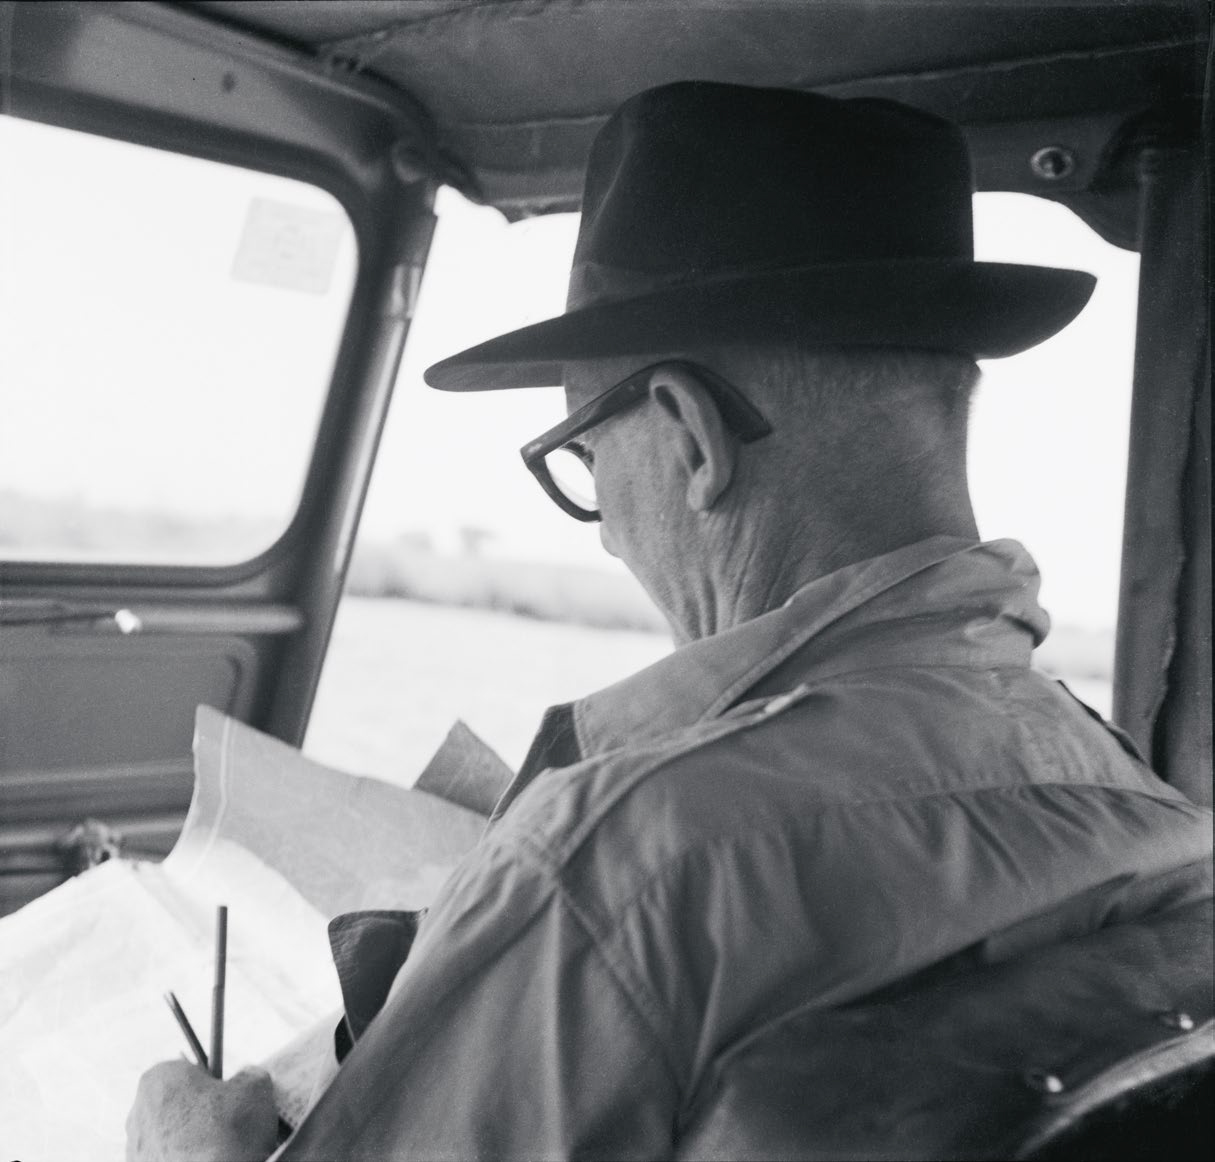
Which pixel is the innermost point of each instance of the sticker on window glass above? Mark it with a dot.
(288, 246)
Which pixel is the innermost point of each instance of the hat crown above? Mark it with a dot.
(698, 178)
(716, 213)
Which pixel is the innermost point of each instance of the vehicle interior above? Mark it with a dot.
(1100, 107)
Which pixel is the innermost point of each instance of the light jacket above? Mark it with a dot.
(790, 815)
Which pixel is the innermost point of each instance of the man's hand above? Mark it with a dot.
(181, 1112)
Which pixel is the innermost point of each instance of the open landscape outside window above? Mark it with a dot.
(168, 329)
(473, 596)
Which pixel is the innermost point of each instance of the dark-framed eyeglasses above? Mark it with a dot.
(563, 465)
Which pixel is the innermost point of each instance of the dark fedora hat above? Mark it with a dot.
(719, 213)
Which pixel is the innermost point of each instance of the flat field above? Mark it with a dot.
(400, 672)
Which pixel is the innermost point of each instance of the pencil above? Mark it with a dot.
(217, 993)
(200, 1054)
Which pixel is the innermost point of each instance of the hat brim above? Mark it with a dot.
(987, 310)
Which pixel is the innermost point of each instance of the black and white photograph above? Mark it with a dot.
(605, 579)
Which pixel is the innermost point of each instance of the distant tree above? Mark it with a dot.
(472, 539)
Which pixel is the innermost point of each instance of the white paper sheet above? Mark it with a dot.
(286, 844)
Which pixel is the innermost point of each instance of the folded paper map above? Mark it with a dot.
(287, 844)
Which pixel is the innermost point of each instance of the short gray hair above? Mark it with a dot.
(867, 432)
(820, 383)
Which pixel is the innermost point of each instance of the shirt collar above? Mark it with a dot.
(945, 600)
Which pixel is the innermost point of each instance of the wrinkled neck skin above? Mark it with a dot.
(748, 563)
(795, 507)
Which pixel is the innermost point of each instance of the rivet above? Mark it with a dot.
(1053, 163)
(1044, 1081)
(1177, 1019)
(127, 621)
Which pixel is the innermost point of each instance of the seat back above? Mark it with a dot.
(1171, 1119)
(1037, 1057)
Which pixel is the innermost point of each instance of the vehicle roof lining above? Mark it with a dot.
(516, 89)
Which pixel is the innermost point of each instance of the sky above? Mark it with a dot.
(168, 327)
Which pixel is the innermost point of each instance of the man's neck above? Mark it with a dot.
(751, 581)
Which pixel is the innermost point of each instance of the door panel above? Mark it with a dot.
(68, 702)
(97, 726)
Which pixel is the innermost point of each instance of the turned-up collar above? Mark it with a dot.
(941, 601)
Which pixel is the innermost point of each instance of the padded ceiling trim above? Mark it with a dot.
(517, 88)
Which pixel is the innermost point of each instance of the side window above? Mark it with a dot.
(168, 328)
(1049, 436)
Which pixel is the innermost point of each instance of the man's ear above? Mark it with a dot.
(705, 448)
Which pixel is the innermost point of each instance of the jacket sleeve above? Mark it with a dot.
(508, 1034)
